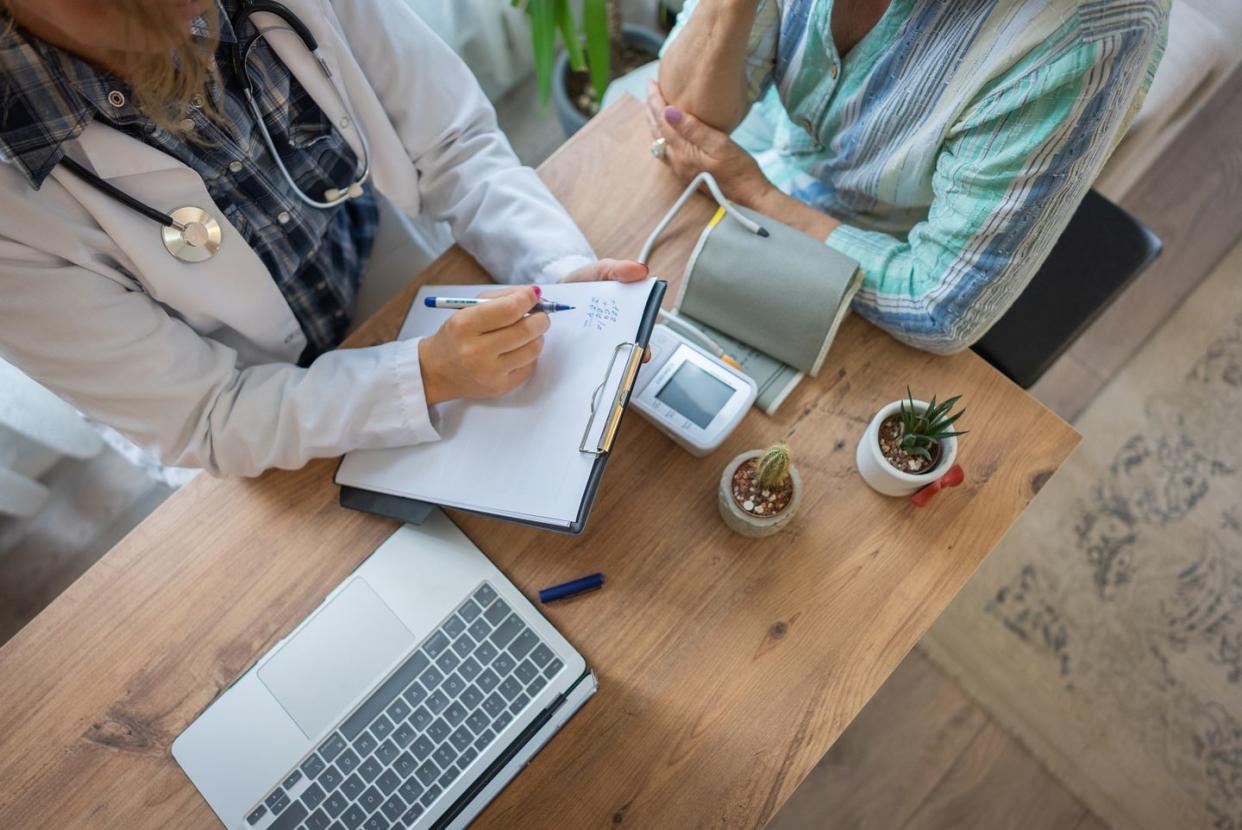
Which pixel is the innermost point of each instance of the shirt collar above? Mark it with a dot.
(50, 96)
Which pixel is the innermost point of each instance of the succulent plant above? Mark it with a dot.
(922, 429)
(772, 468)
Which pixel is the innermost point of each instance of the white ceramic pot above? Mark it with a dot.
(882, 476)
(747, 524)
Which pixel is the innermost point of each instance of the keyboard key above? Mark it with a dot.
(484, 740)
(495, 704)
(313, 796)
(519, 703)
(433, 792)
(469, 668)
(447, 661)
(503, 664)
(438, 730)
(376, 822)
(410, 790)
(274, 798)
(542, 655)
(332, 747)
(335, 804)
(478, 721)
(449, 776)
(463, 645)
(453, 685)
(502, 721)
(318, 820)
(484, 595)
(364, 743)
(453, 626)
(485, 653)
(469, 610)
(506, 631)
(388, 781)
(525, 672)
(421, 717)
(466, 758)
(330, 777)
(353, 786)
(404, 765)
(371, 799)
(488, 680)
(290, 818)
(431, 678)
(472, 697)
(423, 747)
(479, 629)
(455, 714)
(259, 812)
(523, 643)
(445, 755)
(427, 773)
(399, 711)
(553, 667)
(347, 761)
(496, 612)
(294, 777)
(461, 739)
(370, 768)
(510, 688)
(411, 815)
(393, 808)
(312, 766)
(438, 701)
(382, 727)
(415, 694)
(404, 733)
(353, 817)
(386, 752)
(536, 687)
(384, 695)
(436, 644)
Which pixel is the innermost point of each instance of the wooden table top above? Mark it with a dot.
(727, 666)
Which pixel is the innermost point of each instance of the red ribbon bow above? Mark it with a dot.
(952, 478)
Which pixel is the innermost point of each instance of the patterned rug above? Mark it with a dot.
(1105, 631)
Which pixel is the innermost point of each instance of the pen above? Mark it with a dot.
(466, 302)
(572, 588)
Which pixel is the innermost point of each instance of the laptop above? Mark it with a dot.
(408, 699)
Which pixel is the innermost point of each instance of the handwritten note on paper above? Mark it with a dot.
(600, 314)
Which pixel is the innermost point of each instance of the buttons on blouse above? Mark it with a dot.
(235, 166)
(283, 217)
(197, 102)
(344, 122)
(832, 71)
(116, 98)
(187, 124)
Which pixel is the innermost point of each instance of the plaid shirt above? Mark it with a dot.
(315, 256)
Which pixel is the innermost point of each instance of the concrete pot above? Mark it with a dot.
(882, 476)
(572, 120)
(738, 520)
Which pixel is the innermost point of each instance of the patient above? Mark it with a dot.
(943, 145)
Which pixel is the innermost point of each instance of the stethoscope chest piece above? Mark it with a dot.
(195, 237)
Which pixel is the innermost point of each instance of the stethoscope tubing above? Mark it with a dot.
(120, 195)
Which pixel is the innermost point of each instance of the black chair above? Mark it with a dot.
(1102, 250)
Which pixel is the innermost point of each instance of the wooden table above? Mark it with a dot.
(727, 666)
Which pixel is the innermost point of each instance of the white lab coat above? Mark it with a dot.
(195, 361)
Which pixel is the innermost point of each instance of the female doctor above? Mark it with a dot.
(184, 222)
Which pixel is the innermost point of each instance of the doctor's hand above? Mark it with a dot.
(621, 270)
(484, 351)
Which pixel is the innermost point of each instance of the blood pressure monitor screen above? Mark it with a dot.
(695, 394)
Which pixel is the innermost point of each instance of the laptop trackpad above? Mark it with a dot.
(341, 652)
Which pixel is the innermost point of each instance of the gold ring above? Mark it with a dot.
(657, 148)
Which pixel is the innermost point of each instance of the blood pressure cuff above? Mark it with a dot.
(784, 294)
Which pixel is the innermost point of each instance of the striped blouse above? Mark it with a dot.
(954, 141)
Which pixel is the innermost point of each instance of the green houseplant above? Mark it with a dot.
(760, 491)
(908, 444)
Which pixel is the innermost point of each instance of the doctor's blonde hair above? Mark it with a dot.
(166, 64)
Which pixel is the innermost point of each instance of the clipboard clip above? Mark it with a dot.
(617, 407)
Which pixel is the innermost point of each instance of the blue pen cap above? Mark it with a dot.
(569, 589)
(430, 302)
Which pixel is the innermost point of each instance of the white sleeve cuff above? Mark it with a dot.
(419, 419)
(560, 268)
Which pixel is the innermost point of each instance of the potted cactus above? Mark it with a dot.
(760, 491)
(908, 445)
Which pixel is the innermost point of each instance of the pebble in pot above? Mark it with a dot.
(760, 491)
(908, 445)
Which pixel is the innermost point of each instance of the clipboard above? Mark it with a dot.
(598, 439)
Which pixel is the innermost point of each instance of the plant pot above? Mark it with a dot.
(882, 476)
(746, 523)
(571, 119)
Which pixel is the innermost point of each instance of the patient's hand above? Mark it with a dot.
(692, 147)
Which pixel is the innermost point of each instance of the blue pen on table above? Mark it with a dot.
(572, 588)
(467, 302)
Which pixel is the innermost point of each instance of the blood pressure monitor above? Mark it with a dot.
(693, 396)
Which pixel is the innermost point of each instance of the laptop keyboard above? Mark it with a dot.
(417, 733)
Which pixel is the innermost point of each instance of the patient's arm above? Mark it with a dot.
(704, 69)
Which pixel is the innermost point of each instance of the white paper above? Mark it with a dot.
(518, 455)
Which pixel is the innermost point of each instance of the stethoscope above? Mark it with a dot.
(191, 234)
